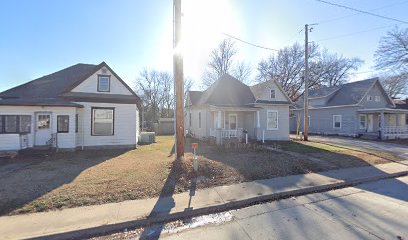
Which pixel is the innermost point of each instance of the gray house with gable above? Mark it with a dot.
(358, 109)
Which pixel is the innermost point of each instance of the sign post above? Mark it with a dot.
(195, 158)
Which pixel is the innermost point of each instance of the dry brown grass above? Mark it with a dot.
(67, 180)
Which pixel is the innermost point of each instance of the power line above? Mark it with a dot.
(246, 42)
(351, 15)
(353, 33)
(362, 11)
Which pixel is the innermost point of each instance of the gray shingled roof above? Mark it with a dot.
(53, 89)
(227, 91)
(195, 96)
(322, 92)
(52, 85)
(351, 93)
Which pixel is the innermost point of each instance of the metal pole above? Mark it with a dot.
(178, 78)
(306, 93)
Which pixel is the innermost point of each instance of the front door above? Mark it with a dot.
(232, 121)
(42, 128)
(370, 123)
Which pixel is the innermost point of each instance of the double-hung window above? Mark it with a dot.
(103, 83)
(363, 121)
(103, 121)
(336, 121)
(62, 123)
(199, 119)
(272, 94)
(272, 120)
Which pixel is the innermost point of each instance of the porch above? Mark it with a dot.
(233, 124)
(383, 123)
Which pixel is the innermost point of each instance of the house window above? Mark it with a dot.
(272, 120)
(272, 93)
(336, 121)
(103, 121)
(363, 121)
(308, 122)
(199, 119)
(189, 120)
(62, 123)
(369, 98)
(43, 121)
(25, 124)
(76, 122)
(406, 119)
(377, 98)
(10, 124)
(15, 123)
(103, 83)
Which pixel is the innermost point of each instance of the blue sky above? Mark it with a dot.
(43, 36)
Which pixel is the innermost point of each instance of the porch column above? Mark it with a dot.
(258, 121)
(382, 125)
(397, 120)
(219, 120)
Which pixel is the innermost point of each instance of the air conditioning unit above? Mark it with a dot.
(147, 137)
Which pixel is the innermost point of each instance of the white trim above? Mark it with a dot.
(199, 119)
(236, 120)
(277, 120)
(365, 121)
(334, 125)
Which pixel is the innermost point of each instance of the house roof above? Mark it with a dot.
(195, 96)
(351, 93)
(54, 87)
(227, 90)
(347, 94)
(259, 89)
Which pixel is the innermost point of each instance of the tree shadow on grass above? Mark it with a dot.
(29, 177)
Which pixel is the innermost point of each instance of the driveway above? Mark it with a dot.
(400, 150)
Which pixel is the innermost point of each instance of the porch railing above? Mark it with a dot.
(227, 133)
(395, 130)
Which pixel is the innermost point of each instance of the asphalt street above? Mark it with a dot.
(377, 210)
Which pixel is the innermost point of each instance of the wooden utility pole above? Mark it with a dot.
(306, 93)
(178, 78)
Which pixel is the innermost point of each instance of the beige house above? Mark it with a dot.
(229, 109)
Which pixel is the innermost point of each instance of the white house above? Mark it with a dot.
(82, 106)
(228, 108)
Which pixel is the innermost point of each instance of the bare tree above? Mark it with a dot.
(395, 85)
(149, 87)
(242, 72)
(167, 84)
(287, 67)
(393, 51)
(333, 69)
(222, 61)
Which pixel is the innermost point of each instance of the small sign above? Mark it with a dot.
(194, 145)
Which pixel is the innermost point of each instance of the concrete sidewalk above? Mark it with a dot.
(88, 221)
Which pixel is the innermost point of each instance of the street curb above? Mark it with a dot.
(158, 219)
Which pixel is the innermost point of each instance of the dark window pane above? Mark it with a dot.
(1, 123)
(76, 123)
(10, 123)
(62, 123)
(25, 124)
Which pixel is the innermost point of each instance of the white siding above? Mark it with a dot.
(90, 85)
(65, 140)
(125, 125)
(265, 94)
